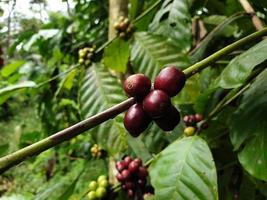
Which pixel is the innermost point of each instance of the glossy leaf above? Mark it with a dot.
(116, 55)
(248, 127)
(150, 53)
(238, 70)
(101, 90)
(185, 170)
(173, 20)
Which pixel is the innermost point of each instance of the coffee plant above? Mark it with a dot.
(143, 100)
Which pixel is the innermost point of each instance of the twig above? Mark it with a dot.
(15, 158)
(255, 20)
(226, 50)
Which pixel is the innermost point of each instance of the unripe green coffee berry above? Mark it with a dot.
(189, 131)
(100, 178)
(100, 192)
(103, 183)
(92, 195)
(81, 61)
(93, 186)
(87, 62)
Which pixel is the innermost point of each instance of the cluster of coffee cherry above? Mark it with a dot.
(85, 55)
(132, 175)
(192, 121)
(96, 151)
(98, 189)
(153, 104)
(124, 27)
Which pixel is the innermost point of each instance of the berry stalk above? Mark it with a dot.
(17, 157)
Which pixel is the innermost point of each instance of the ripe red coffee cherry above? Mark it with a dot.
(137, 85)
(204, 125)
(121, 165)
(171, 80)
(126, 174)
(119, 177)
(130, 193)
(136, 120)
(198, 117)
(142, 172)
(142, 182)
(170, 120)
(127, 160)
(156, 103)
(129, 185)
(138, 161)
(133, 167)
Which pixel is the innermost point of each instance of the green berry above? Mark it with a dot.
(92, 195)
(100, 178)
(93, 185)
(103, 183)
(100, 192)
(81, 61)
(87, 62)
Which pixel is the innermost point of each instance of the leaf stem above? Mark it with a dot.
(224, 51)
(147, 11)
(15, 158)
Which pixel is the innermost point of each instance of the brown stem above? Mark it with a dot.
(15, 158)
(255, 20)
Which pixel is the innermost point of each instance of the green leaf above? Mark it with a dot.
(8, 91)
(11, 68)
(139, 147)
(248, 127)
(150, 53)
(101, 90)
(173, 20)
(116, 55)
(67, 81)
(4, 149)
(185, 170)
(238, 70)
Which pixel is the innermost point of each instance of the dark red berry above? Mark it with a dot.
(122, 27)
(190, 120)
(133, 167)
(156, 103)
(127, 160)
(130, 193)
(137, 85)
(138, 161)
(186, 119)
(142, 172)
(171, 80)
(129, 185)
(198, 117)
(119, 177)
(136, 120)
(126, 174)
(121, 165)
(170, 120)
(204, 125)
(141, 182)
(124, 187)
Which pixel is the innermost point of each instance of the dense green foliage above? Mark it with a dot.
(227, 161)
